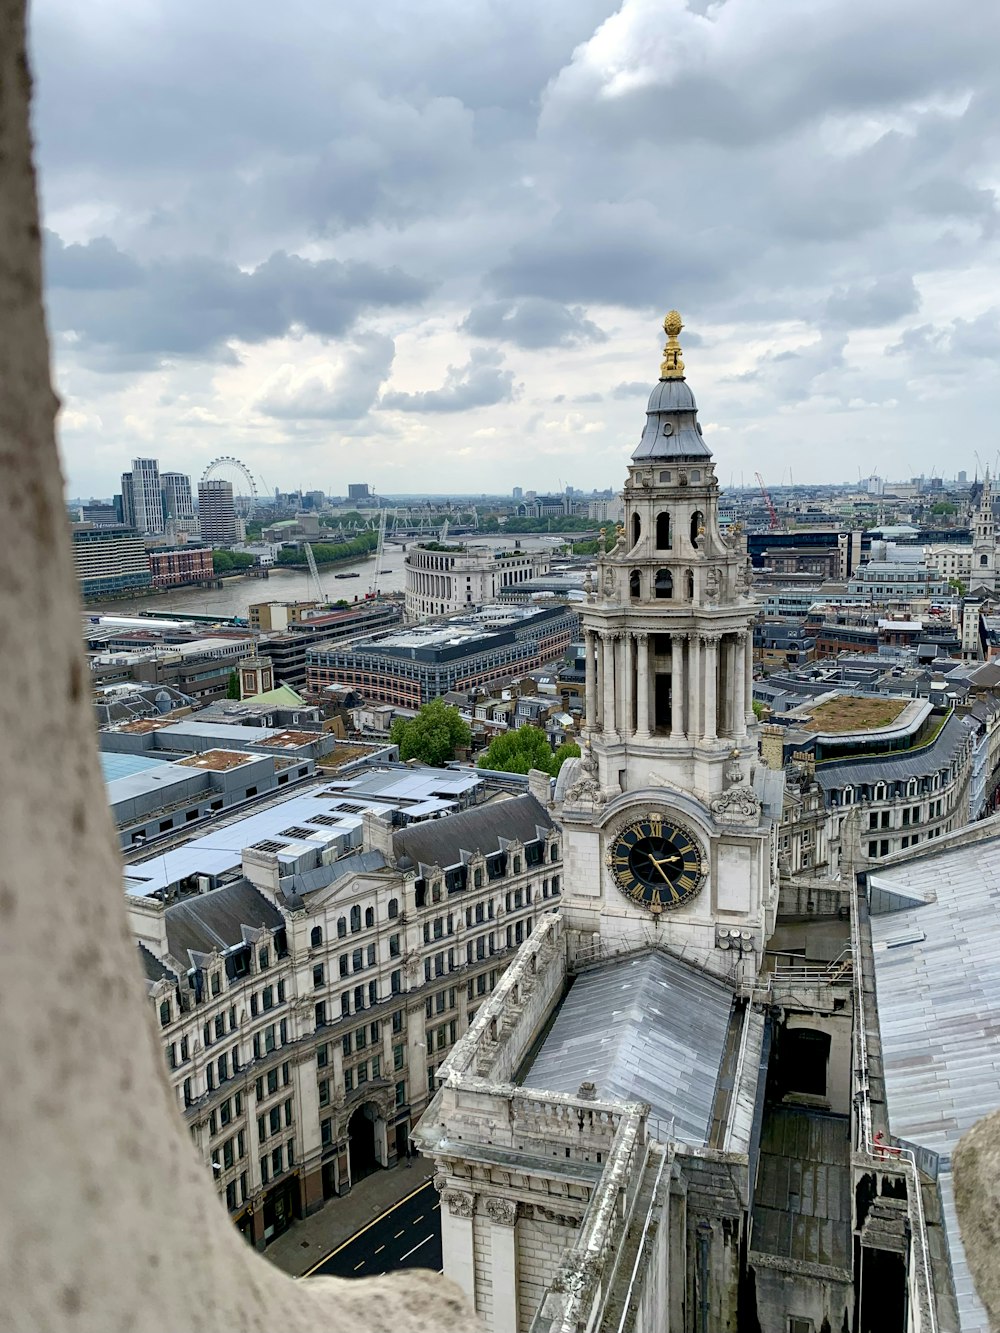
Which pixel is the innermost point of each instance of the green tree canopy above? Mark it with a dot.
(524, 749)
(225, 562)
(233, 686)
(433, 735)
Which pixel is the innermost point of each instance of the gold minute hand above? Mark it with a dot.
(659, 866)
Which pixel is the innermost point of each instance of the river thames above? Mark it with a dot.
(293, 585)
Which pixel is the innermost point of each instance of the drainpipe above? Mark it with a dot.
(703, 1241)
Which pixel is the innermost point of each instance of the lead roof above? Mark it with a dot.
(215, 921)
(646, 1028)
(485, 828)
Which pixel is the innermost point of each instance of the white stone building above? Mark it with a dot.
(445, 580)
(307, 1004)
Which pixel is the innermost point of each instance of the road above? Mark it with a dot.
(407, 1235)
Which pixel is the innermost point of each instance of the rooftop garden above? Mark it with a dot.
(852, 712)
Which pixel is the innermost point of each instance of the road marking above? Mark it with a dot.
(380, 1249)
(416, 1220)
(360, 1265)
(416, 1248)
(399, 1233)
(436, 1208)
(428, 1184)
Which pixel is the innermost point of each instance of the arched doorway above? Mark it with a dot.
(364, 1141)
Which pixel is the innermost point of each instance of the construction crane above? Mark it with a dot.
(314, 572)
(769, 502)
(379, 554)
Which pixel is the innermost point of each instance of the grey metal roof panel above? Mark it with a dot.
(644, 1028)
(441, 842)
(938, 988)
(308, 881)
(215, 920)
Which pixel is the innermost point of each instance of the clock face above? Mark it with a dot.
(657, 863)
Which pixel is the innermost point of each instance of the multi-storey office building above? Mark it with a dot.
(110, 560)
(425, 662)
(298, 633)
(142, 498)
(445, 580)
(177, 500)
(306, 1006)
(217, 512)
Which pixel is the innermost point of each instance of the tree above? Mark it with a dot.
(233, 686)
(433, 735)
(526, 748)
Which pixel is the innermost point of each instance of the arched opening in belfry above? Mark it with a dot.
(689, 585)
(984, 560)
(664, 583)
(635, 585)
(697, 527)
(663, 532)
(636, 529)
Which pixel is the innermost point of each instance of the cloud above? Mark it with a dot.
(481, 382)
(344, 391)
(132, 315)
(532, 322)
(235, 215)
(873, 304)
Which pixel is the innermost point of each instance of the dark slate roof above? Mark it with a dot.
(895, 767)
(484, 828)
(215, 920)
(153, 969)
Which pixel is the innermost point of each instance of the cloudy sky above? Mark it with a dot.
(429, 244)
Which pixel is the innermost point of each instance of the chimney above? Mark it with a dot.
(540, 785)
(148, 923)
(376, 834)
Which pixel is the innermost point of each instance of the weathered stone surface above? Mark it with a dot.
(109, 1219)
(977, 1192)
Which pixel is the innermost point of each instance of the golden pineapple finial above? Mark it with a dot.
(672, 367)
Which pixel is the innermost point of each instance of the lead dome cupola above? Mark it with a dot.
(672, 430)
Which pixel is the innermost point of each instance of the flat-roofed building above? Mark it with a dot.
(109, 561)
(412, 666)
(444, 580)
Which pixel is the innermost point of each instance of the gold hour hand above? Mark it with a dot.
(659, 866)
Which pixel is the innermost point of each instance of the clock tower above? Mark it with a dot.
(669, 821)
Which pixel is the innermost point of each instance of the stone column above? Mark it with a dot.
(677, 685)
(642, 686)
(503, 1244)
(457, 1245)
(590, 663)
(625, 690)
(608, 681)
(696, 682)
(739, 685)
(748, 678)
(711, 674)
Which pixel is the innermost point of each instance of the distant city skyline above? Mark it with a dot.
(370, 257)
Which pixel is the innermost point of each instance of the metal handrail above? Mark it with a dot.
(642, 1237)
